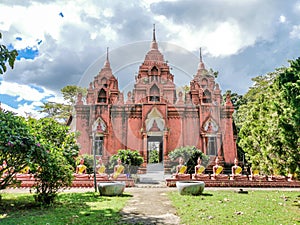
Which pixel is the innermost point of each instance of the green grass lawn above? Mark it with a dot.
(229, 207)
(213, 207)
(70, 208)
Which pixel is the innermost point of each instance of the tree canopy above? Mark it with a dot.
(62, 111)
(269, 121)
(44, 145)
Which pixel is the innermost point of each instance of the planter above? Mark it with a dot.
(190, 187)
(111, 188)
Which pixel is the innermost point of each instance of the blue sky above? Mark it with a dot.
(64, 42)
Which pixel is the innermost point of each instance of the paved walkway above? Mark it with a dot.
(149, 206)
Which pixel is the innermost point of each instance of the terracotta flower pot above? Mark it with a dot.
(190, 187)
(111, 188)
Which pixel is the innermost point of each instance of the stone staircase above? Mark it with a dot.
(155, 175)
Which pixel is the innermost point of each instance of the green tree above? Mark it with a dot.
(51, 131)
(190, 154)
(153, 156)
(62, 111)
(288, 109)
(17, 146)
(131, 160)
(6, 56)
(55, 166)
(268, 134)
(70, 93)
(52, 173)
(57, 111)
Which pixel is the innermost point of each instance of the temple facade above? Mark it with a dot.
(155, 115)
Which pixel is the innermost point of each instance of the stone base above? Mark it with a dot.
(112, 188)
(190, 187)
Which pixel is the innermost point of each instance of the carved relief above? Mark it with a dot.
(99, 126)
(155, 117)
(210, 126)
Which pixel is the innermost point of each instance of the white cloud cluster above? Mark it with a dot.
(295, 33)
(236, 37)
(30, 96)
(23, 92)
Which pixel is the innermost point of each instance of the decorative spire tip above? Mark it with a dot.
(154, 39)
(200, 55)
(107, 53)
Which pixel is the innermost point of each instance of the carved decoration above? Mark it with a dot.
(155, 116)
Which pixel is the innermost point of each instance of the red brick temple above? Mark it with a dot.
(155, 115)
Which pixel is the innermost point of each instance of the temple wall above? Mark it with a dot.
(191, 130)
(229, 147)
(175, 134)
(82, 125)
(134, 134)
(117, 134)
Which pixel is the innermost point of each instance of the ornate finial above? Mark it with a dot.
(200, 55)
(154, 39)
(107, 53)
(201, 65)
(107, 64)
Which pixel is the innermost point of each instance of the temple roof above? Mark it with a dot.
(154, 54)
(201, 67)
(106, 70)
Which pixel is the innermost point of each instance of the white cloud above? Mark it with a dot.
(282, 19)
(295, 33)
(24, 92)
(224, 39)
(232, 33)
(30, 96)
(25, 110)
(8, 108)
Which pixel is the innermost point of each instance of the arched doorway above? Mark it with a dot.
(154, 149)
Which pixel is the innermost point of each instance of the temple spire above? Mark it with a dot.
(154, 44)
(107, 53)
(107, 64)
(154, 39)
(201, 64)
(200, 55)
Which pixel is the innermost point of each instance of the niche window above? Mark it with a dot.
(154, 94)
(102, 96)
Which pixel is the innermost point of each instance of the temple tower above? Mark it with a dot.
(156, 115)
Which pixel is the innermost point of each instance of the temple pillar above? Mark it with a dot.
(204, 145)
(219, 145)
(145, 147)
(165, 139)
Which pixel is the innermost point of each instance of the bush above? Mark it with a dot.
(153, 156)
(190, 155)
(59, 135)
(131, 160)
(17, 146)
(52, 174)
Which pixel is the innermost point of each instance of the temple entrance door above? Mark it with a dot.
(154, 149)
(212, 146)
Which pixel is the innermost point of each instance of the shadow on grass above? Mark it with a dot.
(135, 218)
(69, 208)
(206, 194)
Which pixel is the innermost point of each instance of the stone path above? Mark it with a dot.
(149, 206)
